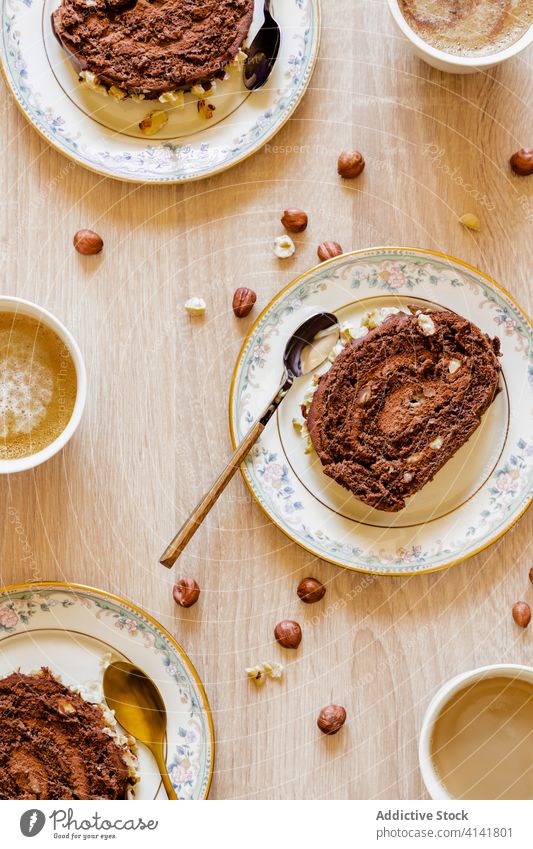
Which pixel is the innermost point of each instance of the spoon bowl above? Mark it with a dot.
(262, 52)
(311, 343)
(140, 709)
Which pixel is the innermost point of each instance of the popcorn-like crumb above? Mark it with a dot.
(272, 668)
(426, 324)
(284, 247)
(200, 91)
(91, 81)
(239, 58)
(117, 93)
(195, 306)
(175, 97)
(259, 673)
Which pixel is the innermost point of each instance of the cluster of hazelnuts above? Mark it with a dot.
(288, 634)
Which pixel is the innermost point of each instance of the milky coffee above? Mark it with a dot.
(468, 27)
(482, 741)
(38, 386)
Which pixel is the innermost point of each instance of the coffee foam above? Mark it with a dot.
(469, 27)
(26, 387)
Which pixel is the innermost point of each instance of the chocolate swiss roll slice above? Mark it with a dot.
(398, 403)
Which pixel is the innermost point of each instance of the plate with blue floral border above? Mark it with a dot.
(76, 631)
(471, 502)
(78, 118)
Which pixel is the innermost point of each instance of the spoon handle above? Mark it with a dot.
(189, 528)
(157, 751)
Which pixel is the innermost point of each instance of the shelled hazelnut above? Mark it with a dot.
(186, 592)
(243, 301)
(310, 590)
(331, 719)
(522, 161)
(351, 163)
(288, 634)
(327, 250)
(294, 220)
(87, 242)
(522, 613)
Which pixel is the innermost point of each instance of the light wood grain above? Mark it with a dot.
(155, 432)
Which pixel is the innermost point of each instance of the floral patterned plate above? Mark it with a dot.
(101, 133)
(478, 494)
(75, 631)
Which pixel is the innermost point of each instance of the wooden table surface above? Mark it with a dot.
(155, 431)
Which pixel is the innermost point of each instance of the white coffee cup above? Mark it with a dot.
(22, 307)
(434, 786)
(448, 61)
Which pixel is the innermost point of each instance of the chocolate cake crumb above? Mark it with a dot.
(398, 403)
(151, 47)
(56, 745)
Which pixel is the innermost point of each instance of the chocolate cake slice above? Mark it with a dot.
(152, 47)
(56, 745)
(398, 403)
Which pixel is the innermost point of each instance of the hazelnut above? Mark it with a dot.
(87, 242)
(284, 247)
(288, 634)
(294, 220)
(310, 590)
(186, 592)
(153, 122)
(351, 163)
(522, 161)
(327, 250)
(205, 110)
(522, 613)
(331, 719)
(243, 301)
(531, 574)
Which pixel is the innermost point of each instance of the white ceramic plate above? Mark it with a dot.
(102, 134)
(74, 629)
(478, 494)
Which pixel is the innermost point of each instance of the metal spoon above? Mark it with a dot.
(306, 349)
(140, 709)
(262, 52)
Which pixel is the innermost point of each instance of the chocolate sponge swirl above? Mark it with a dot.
(397, 404)
(56, 745)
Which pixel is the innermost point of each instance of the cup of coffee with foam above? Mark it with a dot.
(464, 36)
(43, 385)
(477, 736)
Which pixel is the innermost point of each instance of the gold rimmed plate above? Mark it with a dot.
(75, 631)
(474, 498)
(103, 134)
